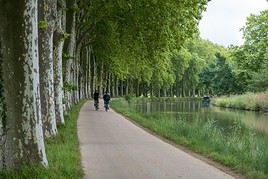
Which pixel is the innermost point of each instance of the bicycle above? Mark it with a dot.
(106, 106)
(96, 105)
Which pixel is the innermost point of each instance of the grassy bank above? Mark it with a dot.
(241, 149)
(62, 152)
(248, 101)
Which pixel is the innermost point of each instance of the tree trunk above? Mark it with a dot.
(69, 48)
(85, 91)
(76, 76)
(177, 89)
(89, 90)
(2, 112)
(138, 89)
(111, 79)
(127, 85)
(171, 92)
(131, 86)
(24, 139)
(101, 79)
(116, 87)
(182, 89)
(78, 73)
(151, 90)
(58, 78)
(165, 92)
(189, 92)
(94, 77)
(121, 88)
(108, 83)
(88, 73)
(47, 10)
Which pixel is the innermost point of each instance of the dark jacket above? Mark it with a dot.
(106, 97)
(96, 96)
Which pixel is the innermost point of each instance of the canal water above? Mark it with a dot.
(192, 109)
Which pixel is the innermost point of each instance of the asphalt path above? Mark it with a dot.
(114, 148)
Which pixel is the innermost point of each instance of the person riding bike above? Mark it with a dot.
(96, 99)
(106, 98)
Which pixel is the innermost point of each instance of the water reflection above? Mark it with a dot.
(195, 109)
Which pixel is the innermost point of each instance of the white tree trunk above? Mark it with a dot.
(24, 139)
(95, 74)
(46, 9)
(88, 76)
(76, 73)
(70, 50)
(58, 78)
(2, 112)
(59, 94)
(78, 77)
(101, 78)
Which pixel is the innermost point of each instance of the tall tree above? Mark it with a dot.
(69, 50)
(47, 10)
(2, 112)
(19, 36)
(58, 41)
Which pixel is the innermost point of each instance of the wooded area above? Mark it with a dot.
(56, 53)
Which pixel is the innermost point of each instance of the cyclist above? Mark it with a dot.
(96, 99)
(106, 98)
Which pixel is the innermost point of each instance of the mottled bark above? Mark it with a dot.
(58, 42)
(47, 10)
(69, 49)
(88, 89)
(77, 69)
(82, 73)
(94, 74)
(2, 110)
(24, 139)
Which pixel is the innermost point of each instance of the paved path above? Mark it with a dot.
(114, 148)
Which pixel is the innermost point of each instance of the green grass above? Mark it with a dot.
(241, 149)
(248, 101)
(62, 152)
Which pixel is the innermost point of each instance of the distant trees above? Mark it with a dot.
(227, 71)
(218, 77)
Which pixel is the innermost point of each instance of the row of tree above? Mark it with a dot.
(56, 52)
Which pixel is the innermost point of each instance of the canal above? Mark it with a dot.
(192, 109)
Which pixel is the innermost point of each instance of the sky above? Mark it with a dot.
(222, 21)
